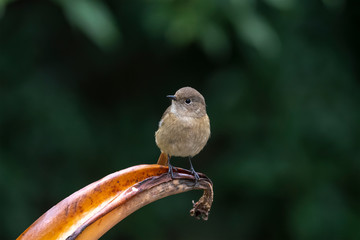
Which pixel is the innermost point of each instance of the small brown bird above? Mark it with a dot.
(184, 128)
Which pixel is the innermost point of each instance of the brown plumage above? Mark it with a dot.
(184, 128)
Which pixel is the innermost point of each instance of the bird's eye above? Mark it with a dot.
(188, 101)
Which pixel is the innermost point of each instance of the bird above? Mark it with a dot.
(184, 128)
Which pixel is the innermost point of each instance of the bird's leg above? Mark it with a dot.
(170, 168)
(196, 175)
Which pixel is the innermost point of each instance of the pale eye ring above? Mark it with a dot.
(188, 101)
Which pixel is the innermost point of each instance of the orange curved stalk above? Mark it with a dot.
(93, 210)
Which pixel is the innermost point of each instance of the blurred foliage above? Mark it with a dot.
(94, 19)
(83, 86)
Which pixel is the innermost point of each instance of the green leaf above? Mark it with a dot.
(282, 4)
(94, 19)
(214, 41)
(253, 29)
(2, 6)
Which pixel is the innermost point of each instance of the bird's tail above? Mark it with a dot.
(163, 159)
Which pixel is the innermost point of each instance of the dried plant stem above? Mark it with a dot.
(93, 210)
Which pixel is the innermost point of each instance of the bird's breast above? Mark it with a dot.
(182, 135)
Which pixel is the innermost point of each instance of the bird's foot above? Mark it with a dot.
(171, 171)
(196, 175)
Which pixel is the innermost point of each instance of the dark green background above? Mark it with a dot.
(83, 86)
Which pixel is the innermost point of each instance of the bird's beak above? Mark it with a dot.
(172, 97)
